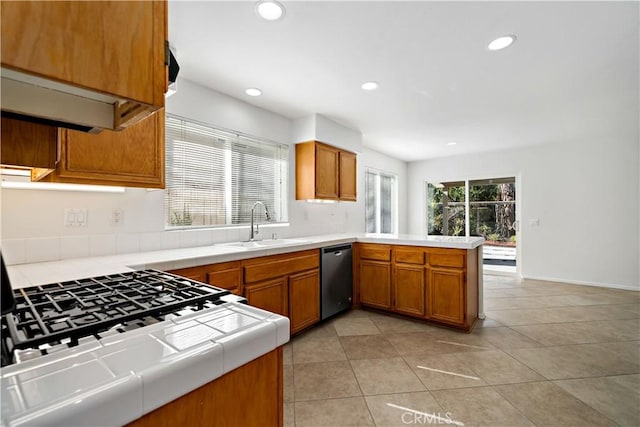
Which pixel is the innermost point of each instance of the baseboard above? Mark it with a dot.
(583, 283)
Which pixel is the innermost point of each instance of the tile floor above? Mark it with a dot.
(548, 354)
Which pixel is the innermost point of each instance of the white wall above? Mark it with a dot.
(32, 221)
(585, 195)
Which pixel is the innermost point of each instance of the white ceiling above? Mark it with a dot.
(572, 73)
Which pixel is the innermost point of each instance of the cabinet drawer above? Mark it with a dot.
(225, 275)
(447, 258)
(281, 266)
(408, 255)
(376, 252)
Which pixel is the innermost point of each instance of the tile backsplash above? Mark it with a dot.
(30, 250)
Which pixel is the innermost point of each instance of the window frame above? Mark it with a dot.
(378, 205)
(282, 190)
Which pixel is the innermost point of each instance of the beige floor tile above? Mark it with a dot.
(289, 414)
(546, 404)
(333, 412)
(393, 325)
(497, 367)
(406, 409)
(324, 380)
(321, 330)
(426, 343)
(582, 332)
(287, 379)
(308, 349)
(355, 326)
(616, 397)
(481, 406)
(287, 354)
(504, 337)
(383, 376)
(487, 323)
(368, 347)
(581, 360)
(443, 372)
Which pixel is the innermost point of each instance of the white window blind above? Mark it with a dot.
(380, 202)
(213, 177)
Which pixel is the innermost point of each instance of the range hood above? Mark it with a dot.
(32, 98)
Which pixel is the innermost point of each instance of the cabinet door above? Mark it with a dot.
(133, 157)
(348, 176)
(375, 284)
(193, 273)
(327, 177)
(108, 46)
(226, 275)
(446, 295)
(304, 300)
(409, 290)
(271, 295)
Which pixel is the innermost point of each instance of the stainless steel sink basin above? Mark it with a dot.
(266, 243)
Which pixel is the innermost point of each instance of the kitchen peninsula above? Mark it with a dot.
(136, 376)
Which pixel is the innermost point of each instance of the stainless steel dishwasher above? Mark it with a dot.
(336, 279)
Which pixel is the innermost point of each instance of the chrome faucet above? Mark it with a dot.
(266, 214)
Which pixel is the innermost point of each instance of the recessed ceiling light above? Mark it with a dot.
(501, 42)
(270, 10)
(370, 85)
(451, 143)
(253, 91)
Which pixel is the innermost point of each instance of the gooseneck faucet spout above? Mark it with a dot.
(266, 214)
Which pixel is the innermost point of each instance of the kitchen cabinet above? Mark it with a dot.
(374, 275)
(325, 172)
(225, 275)
(102, 50)
(28, 145)
(409, 285)
(133, 157)
(271, 295)
(433, 284)
(287, 284)
(304, 299)
(251, 395)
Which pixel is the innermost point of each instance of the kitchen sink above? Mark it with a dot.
(266, 243)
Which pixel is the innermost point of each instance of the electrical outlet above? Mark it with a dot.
(117, 216)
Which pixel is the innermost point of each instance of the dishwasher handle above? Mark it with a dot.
(336, 250)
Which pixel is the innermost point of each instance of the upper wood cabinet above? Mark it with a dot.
(133, 157)
(28, 145)
(325, 172)
(111, 49)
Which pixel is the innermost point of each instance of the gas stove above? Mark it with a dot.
(51, 317)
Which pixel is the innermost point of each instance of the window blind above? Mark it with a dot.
(213, 177)
(380, 193)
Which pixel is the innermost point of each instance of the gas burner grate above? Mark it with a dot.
(74, 309)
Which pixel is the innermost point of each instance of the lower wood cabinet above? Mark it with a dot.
(435, 284)
(375, 284)
(304, 300)
(409, 291)
(251, 395)
(446, 295)
(271, 295)
(286, 284)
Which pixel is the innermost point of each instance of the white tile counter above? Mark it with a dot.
(23, 275)
(120, 378)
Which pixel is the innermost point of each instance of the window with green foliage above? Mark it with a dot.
(213, 176)
(446, 209)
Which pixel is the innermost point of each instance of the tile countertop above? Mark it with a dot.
(23, 275)
(119, 378)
